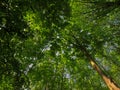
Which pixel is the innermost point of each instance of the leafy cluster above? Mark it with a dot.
(42, 44)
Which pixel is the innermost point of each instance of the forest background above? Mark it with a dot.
(59, 44)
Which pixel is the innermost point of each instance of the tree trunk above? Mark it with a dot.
(109, 82)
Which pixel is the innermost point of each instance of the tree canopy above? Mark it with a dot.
(59, 45)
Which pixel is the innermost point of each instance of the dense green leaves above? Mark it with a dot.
(41, 41)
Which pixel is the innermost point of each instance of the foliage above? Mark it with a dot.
(38, 41)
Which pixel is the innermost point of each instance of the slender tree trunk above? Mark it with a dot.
(109, 82)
